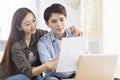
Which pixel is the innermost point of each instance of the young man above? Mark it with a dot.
(49, 45)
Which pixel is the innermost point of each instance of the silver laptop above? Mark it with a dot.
(96, 67)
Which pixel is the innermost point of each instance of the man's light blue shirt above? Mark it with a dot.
(48, 47)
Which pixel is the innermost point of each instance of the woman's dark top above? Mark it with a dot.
(20, 55)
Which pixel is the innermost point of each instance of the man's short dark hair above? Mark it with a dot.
(54, 8)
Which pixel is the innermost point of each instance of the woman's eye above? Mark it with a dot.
(34, 20)
(27, 24)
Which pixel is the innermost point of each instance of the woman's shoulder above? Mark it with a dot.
(19, 44)
(40, 31)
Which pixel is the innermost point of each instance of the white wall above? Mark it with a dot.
(111, 20)
(111, 25)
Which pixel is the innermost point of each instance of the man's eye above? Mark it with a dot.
(62, 19)
(53, 21)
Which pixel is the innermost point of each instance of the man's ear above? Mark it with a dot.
(47, 24)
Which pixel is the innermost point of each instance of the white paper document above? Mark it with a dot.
(71, 49)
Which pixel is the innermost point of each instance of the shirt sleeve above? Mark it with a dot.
(20, 60)
(43, 51)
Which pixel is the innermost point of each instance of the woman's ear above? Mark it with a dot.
(19, 28)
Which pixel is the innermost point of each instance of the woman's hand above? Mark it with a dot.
(76, 31)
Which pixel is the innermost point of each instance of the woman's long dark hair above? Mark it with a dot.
(15, 35)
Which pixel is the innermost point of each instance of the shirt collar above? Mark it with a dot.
(52, 36)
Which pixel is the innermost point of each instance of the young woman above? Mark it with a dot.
(20, 60)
